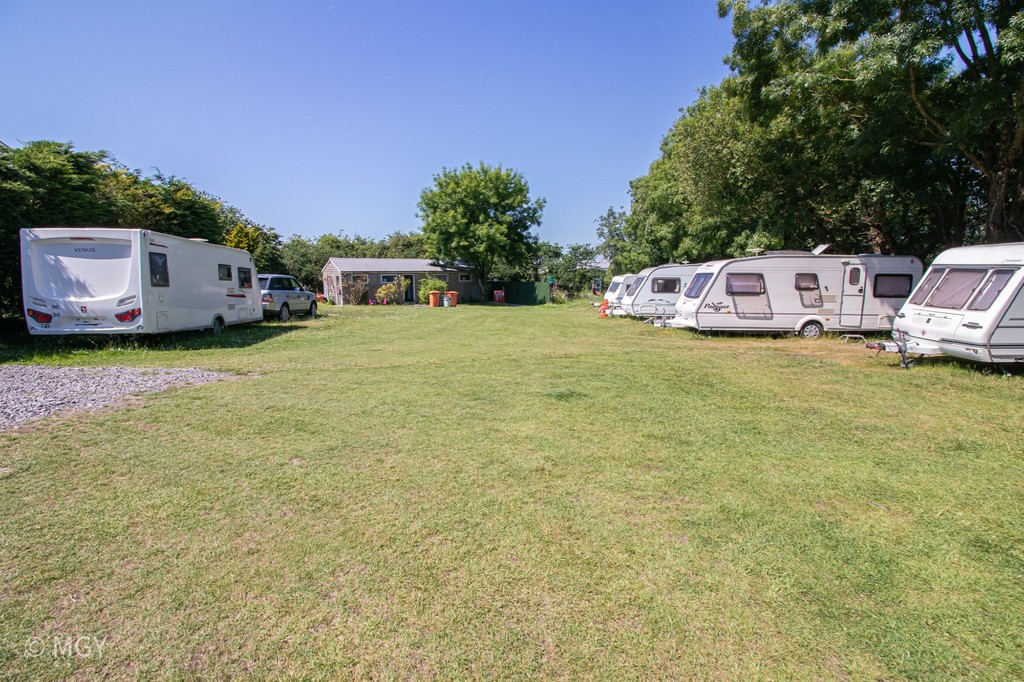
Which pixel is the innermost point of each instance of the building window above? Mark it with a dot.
(358, 278)
(442, 277)
(465, 277)
(744, 284)
(245, 278)
(893, 286)
(224, 272)
(159, 275)
(388, 279)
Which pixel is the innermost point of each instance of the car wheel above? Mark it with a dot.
(312, 309)
(285, 313)
(812, 330)
(218, 326)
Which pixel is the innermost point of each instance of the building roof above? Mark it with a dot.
(391, 265)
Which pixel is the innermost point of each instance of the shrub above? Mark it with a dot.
(387, 292)
(355, 292)
(427, 285)
(558, 296)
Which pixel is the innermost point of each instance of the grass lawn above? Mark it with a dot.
(517, 492)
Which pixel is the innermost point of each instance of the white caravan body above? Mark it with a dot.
(131, 281)
(798, 292)
(613, 288)
(655, 290)
(970, 304)
(615, 298)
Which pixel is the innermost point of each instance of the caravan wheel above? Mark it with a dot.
(812, 330)
(218, 325)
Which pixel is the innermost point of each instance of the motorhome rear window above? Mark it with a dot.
(744, 284)
(927, 285)
(665, 285)
(635, 286)
(224, 272)
(892, 286)
(955, 288)
(697, 285)
(806, 281)
(991, 289)
(159, 276)
(244, 278)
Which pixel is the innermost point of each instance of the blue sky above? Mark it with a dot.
(319, 116)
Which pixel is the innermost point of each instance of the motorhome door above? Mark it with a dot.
(851, 309)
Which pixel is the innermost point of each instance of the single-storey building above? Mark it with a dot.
(374, 272)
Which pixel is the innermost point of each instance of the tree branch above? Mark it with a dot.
(985, 37)
(940, 129)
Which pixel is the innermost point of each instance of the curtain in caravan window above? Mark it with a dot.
(744, 284)
(892, 286)
(990, 290)
(956, 288)
(927, 285)
(663, 285)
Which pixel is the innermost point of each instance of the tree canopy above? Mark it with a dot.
(872, 126)
(482, 216)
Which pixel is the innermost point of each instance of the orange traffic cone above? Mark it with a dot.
(604, 307)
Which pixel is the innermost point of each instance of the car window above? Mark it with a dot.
(263, 282)
(294, 284)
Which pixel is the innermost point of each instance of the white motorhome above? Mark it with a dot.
(970, 305)
(131, 281)
(655, 290)
(798, 291)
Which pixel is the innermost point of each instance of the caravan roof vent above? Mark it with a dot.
(820, 249)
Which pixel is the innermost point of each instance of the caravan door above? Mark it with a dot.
(851, 309)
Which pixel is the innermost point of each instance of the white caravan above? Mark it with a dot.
(798, 291)
(970, 305)
(617, 289)
(130, 281)
(655, 290)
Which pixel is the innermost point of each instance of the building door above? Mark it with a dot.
(410, 291)
(851, 310)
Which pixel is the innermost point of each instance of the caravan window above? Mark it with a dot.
(665, 285)
(927, 285)
(955, 288)
(159, 276)
(991, 289)
(854, 276)
(893, 286)
(224, 272)
(635, 286)
(244, 278)
(614, 287)
(806, 281)
(697, 285)
(744, 284)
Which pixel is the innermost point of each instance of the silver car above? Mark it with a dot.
(283, 295)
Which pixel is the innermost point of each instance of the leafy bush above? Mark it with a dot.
(427, 285)
(387, 292)
(355, 292)
(558, 296)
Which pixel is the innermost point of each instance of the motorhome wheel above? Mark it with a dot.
(285, 314)
(812, 330)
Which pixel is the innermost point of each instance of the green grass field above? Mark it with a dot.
(517, 492)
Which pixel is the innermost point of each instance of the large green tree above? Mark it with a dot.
(925, 88)
(480, 215)
(45, 184)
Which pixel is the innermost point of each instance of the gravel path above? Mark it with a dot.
(32, 391)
